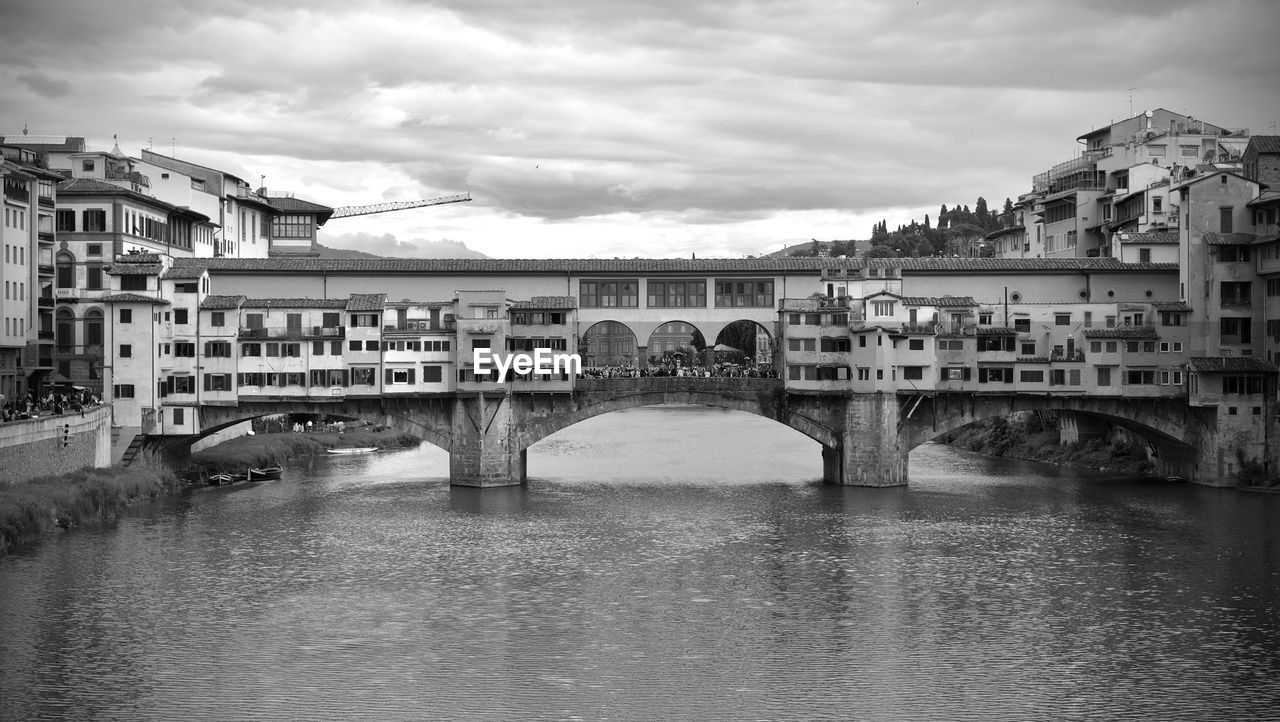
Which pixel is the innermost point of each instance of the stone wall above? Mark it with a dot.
(54, 445)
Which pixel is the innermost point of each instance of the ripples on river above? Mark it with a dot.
(662, 563)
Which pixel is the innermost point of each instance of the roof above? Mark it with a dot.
(1229, 239)
(366, 302)
(995, 331)
(289, 204)
(548, 302)
(95, 187)
(1005, 231)
(1125, 332)
(135, 269)
(1149, 237)
(184, 273)
(944, 301)
(1265, 143)
(54, 144)
(1265, 197)
(218, 303)
(293, 303)
(1170, 306)
(1231, 364)
(586, 266)
(132, 298)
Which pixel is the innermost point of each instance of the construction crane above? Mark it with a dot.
(347, 211)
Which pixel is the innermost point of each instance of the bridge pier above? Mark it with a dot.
(483, 452)
(870, 452)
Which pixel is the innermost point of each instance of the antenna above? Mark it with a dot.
(1130, 100)
(173, 144)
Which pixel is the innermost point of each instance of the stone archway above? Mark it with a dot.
(751, 339)
(608, 343)
(675, 339)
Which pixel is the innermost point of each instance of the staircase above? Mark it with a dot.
(132, 450)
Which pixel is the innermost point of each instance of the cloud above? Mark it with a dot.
(45, 86)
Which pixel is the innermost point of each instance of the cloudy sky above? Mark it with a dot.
(640, 127)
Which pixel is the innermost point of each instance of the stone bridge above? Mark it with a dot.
(865, 438)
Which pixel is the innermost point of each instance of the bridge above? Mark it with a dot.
(865, 437)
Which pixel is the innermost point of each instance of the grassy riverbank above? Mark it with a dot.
(273, 449)
(34, 508)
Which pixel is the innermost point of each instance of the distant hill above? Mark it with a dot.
(819, 248)
(326, 252)
(388, 246)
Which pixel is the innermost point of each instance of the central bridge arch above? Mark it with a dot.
(594, 397)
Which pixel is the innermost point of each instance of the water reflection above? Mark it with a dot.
(655, 566)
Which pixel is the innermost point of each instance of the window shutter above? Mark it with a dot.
(207, 383)
(390, 374)
(411, 376)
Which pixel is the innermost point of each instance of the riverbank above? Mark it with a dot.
(1036, 439)
(260, 450)
(37, 507)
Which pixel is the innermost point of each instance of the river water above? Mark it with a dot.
(662, 563)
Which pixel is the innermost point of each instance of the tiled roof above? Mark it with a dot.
(1170, 306)
(996, 331)
(1127, 332)
(95, 187)
(1231, 364)
(296, 303)
(366, 302)
(943, 301)
(218, 303)
(583, 266)
(135, 269)
(67, 144)
(138, 258)
(1033, 359)
(549, 302)
(1150, 237)
(132, 298)
(297, 205)
(184, 273)
(1229, 239)
(1265, 143)
(1267, 238)
(1265, 197)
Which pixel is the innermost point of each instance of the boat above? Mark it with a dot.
(263, 473)
(224, 478)
(353, 450)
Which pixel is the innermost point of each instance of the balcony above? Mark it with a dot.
(44, 335)
(45, 302)
(329, 331)
(70, 294)
(288, 334)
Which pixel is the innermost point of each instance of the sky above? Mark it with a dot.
(598, 129)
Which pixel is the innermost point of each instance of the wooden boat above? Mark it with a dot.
(353, 450)
(224, 478)
(264, 473)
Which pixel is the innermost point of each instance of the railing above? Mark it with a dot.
(1076, 355)
(329, 331)
(647, 384)
(45, 302)
(290, 334)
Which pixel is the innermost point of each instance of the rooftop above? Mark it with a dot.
(1231, 364)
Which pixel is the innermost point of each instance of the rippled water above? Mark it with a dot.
(661, 563)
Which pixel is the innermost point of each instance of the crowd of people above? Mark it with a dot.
(669, 368)
(52, 403)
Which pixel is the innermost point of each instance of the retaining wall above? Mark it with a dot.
(54, 445)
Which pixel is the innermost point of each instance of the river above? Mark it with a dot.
(661, 563)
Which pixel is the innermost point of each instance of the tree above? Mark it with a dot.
(981, 213)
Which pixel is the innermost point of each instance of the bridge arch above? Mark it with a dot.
(672, 337)
(425, 418)
(608, 343)
(620, 394)
(750, 337)
(1167, 423)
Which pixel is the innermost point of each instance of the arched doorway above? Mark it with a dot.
(745, 342)
(608, 343)
(675, 340)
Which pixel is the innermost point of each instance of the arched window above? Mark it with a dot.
(66, 270)
(64, 334)
(93, 328)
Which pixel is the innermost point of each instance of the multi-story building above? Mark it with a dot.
(26, 271)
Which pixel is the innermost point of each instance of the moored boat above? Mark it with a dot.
(353, 450)
(264, 473)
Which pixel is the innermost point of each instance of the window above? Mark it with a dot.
(65, 220)
(355, 345)
(292, 226)
(126, 315)
(1104, 376)
(1144, 255)
(756, 293)
(180, 385)
(1062, 319)
(126, 350)
(180, 316)
(217, 382)
(915, 344)
(317, 348)
(1236, 293)
(432, 374)
(1031, 377)
(1027, 348)
(1236, 330)
(217, 349)
(1140, 377)
(94, 220)
(1170, 318)
(179, 417)
(362, 376)
(609, 294)
(133, 283)
(184, 349)
(1022, 325)
(677, 294)
(122, 391)
(882, 308)
(218, 319)
(1224, 217)
(1234, 254)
